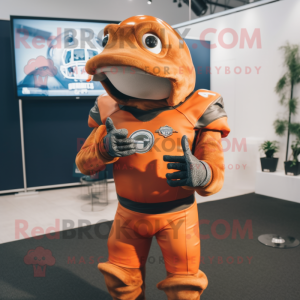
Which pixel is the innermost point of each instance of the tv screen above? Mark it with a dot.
(50, 57)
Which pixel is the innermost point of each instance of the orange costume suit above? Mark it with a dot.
(151, 116)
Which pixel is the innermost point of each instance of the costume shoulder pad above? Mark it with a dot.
(205, 110)
(214, 117)
(103, 108)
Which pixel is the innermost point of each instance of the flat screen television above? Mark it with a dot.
(49, 57)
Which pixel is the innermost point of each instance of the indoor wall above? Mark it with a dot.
(245, 73)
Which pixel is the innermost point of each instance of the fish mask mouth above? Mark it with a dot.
(125, 82)
(144, 59)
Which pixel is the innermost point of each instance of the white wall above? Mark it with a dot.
(95, 9)
(102, 9)
(250, 100)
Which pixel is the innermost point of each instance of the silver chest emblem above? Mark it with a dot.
(166, 131)
(143, 139)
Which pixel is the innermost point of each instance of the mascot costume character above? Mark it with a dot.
(164, 140)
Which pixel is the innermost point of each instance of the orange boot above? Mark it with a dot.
(123, 283)
(184, 287)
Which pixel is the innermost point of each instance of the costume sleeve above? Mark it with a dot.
(209, 149)
(92, 155)
(211, 125)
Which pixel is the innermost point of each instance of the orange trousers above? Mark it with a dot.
(177, 234)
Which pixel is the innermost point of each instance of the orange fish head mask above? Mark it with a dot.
(144, 58)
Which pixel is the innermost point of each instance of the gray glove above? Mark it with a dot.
(116, 143)
(192, 172)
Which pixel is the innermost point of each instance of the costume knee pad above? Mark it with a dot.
(123, 283)
(184, 287)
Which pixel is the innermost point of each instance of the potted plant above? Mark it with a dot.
(285, 89)
(293, 167)
(269, 163)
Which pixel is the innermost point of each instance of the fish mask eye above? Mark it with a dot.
(152, 43)
(105, 40)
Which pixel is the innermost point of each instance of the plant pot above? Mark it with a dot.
(269, 164)
(292, 170)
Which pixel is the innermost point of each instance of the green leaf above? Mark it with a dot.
(280, 84)
(282, 99)
(293, 104)
(295, 129)
(280, 126)
(292, 61)
(295, 149)
(269, 147)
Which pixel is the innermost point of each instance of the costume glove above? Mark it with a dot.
(192, 171)
(116, 143)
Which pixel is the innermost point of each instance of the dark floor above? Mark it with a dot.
(237, 268)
